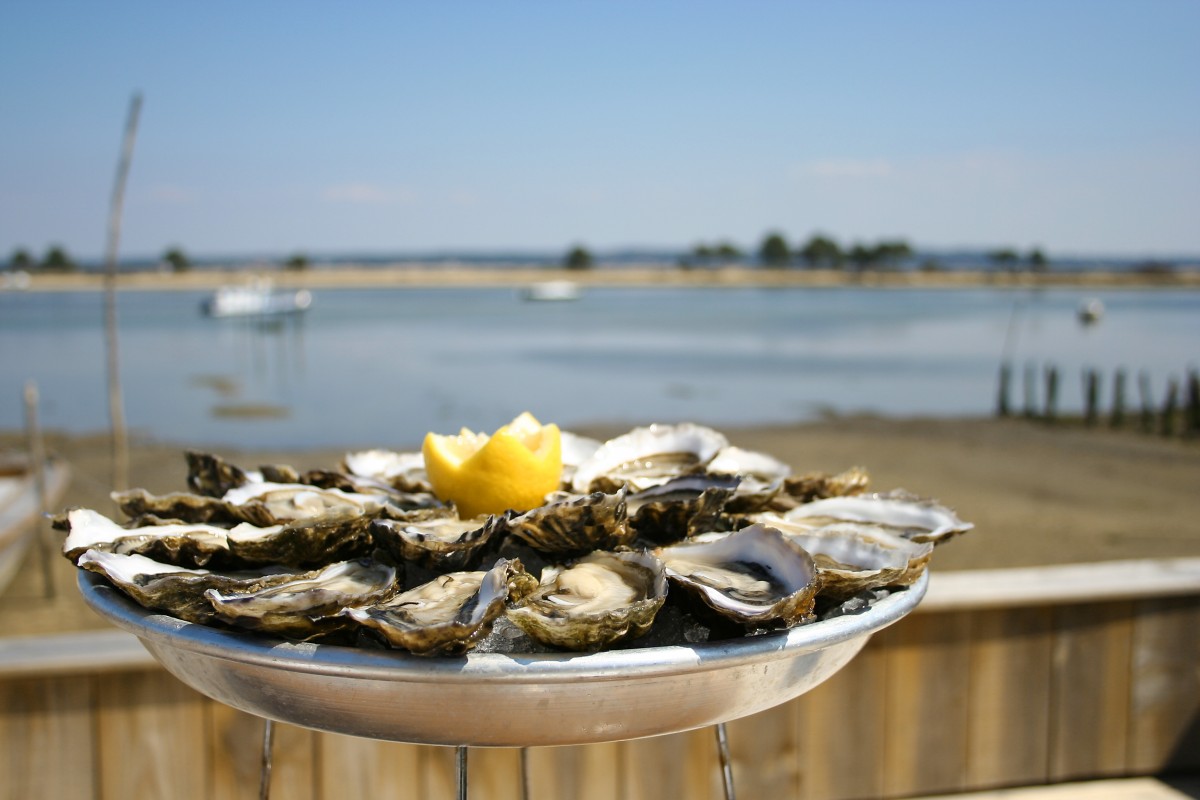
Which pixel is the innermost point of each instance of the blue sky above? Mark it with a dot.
(371, 127)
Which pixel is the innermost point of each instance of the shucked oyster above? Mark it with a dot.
(573, 526)
(681, 507)
(910, 517)
(306, 605)
(601, 599)
(404, 471)
(439, 541)
(754, 576)
(448, 615)
(192, 545)
(646, 457)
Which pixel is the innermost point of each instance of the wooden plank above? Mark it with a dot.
(1111, 789)
(589, 772)
(46, 738)
(764, 748)
(495, 773)
(1164, 730)
(1070, 583)
(437, 772)
(841, 730)
(348, 766)
(925, 714)
(1090, 691)
(155, 716)
(236, 740)
(679, 765)
(1009, 697)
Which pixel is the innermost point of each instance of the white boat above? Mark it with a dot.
(255, 300)
(20, 508)
(1090, 311)
(552, 291)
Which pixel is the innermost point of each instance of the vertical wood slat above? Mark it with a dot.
(841, 731)
(236, 742)
(765, 753)
(364, 768)
(1090, 693)
(678, 765)
(46, 738)
(161, 720)
(925, 710)
(586, 772)
(1164, 729)
(1009, 697)
(495, 773)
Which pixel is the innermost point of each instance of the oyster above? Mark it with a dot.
(910, 517)
(404, 471)
(681, 507)
(448, 615)
(439, 541)
(854, 556)
(602, 599)
(646, 457)
(574, 525)
(306, 605)
(192, 545)
(176, 590)
(576, 449)
(754, 576)
(213, 476)
(818, 485)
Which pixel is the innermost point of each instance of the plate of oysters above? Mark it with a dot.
(532, 587)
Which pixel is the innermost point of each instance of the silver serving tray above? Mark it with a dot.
(495, 699)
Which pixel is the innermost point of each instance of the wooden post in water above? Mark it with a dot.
(1030, 391)
(1005, 380)
(1091, 396)
(1147, 416)
(1193, 403)
(1170, 408)
(1118, 401)
(1051, 393)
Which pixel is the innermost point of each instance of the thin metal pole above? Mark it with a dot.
(116, 407)
(726, 763)
(264, 780)
(460, 753)
(37, 467)
(524, 773)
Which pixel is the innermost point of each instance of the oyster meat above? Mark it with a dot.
(648, 456)
(574, 525)
(439, 541)
(185, 544)
(602, 599)
(910, 517)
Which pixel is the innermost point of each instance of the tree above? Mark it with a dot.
(891, 254)
(702, 252)
(578, 258)
(862, 256)
(1038, 261)
(821, 251)
(1004, 258)
(175, 258)
(297, 262)
(728, 251)
(774, 251)
(20, 260)
(57, 260)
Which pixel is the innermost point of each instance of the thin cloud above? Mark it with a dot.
(848, 168)
(365, 194)
(171, 195)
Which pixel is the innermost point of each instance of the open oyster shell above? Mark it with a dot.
(601, 599)
(681, 507)
(909, 516)
(440, 541)
(306, 605)
(755, 576)
(404, 471)
(192, 545)
(574, 525)
(646, 457)
(448, 615)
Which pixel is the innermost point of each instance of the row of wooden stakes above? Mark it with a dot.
(1177, 413)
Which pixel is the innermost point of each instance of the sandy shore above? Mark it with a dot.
(1037, 494)
(443, 275)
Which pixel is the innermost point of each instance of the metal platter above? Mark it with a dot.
(495, 699)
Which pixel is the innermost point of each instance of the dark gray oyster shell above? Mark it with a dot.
(681, 507)
(439, 541)
(904, 514)
(601, 599)
(574, 525)
(188, 544)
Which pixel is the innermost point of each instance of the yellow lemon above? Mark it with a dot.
(514, 468)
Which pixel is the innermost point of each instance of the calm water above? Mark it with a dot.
(381, 367)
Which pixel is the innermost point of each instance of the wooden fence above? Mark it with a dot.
(1001, 678)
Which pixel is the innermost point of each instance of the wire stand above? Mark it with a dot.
(264, 780)
(726, 763)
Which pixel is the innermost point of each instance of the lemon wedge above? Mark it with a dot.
(514, 468)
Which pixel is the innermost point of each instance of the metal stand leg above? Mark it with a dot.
(461, 764)
(264, 781)
(524, 773)
(726, 764)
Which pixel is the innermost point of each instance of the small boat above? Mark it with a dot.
(551, 291)
(21, 508)
(256, 299)
(1090, 311)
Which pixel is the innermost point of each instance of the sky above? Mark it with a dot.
(367, 128)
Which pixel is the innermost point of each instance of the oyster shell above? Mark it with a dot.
(306, 605)
(574, 525)
(440, 542)
(648, 456)
(681, 507)
(448, 615)
(811, 486)
(909, 516)
(602, 599)
(754, 576)
(193, 545)
(404, 471)
(854, 556)
(576, 449)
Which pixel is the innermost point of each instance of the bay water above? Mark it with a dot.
(380, 367)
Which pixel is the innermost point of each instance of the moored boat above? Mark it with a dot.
(255, 299)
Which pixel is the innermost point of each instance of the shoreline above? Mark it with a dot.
(450, 276)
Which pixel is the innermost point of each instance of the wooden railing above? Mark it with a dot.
(1011, 677)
